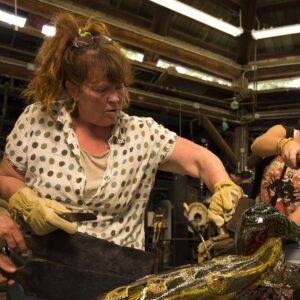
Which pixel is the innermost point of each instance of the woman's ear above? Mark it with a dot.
(73, 90)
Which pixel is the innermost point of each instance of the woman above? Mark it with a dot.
(83, 153)
(280, 185)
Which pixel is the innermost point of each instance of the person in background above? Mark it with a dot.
(280, 184)
(235, 177)
(246, 182)
(82, 152)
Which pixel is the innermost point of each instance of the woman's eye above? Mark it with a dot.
(106, 89)
(101, 90)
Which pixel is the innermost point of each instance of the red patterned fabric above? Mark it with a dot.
(288, 196)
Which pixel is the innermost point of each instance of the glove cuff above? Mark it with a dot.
(223, 183)
(4, 211)
(23, 201)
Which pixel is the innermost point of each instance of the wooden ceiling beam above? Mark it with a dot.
(169, 103)
(117, 12)
(36, 21)
(280, 6)
(15, 71)
(35, 7)
(17, 50)
(275, 73)
(140, 38)
(280, 67)
(200, 43)
(161, 21)
(246, 40)
(231, 4)
(278, 56)
(153, 43)
(151, 57)
(160, 25)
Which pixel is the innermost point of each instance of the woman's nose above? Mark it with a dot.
(115, 95)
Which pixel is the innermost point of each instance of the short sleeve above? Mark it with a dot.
(16, 143)
(290, 132)
(163, 141)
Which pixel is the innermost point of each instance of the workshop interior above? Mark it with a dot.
(220, 77)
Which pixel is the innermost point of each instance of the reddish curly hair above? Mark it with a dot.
(80, 51)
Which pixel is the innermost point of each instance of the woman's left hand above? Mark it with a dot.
(223, 202)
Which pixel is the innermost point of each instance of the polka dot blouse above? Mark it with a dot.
(48, 153)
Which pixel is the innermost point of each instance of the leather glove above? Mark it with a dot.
(223, 201)
(41, 214)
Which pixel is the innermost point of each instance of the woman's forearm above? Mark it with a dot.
(265, 145)
(215, 170)
(9, 185)
(10, 179)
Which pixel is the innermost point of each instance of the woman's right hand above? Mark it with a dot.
(12, 237)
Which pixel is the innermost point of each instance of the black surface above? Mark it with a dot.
(79, 266)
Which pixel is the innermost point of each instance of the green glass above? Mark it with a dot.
(258, 224)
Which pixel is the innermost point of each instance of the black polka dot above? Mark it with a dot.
(64, 152)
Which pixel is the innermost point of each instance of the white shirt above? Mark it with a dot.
(48, 153)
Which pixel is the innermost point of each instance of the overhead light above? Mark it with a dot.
(48, 30)
(277, 31)
(12, 19)
(200, 16)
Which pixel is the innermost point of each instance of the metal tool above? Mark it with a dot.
(78, 216)
(20, 259)
(197, 213)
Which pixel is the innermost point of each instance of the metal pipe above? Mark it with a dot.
(194, 106)
(17, 50)
(184, 93)
(265, 115)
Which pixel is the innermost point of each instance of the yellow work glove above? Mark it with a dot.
(223, 201)
(40, 213)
